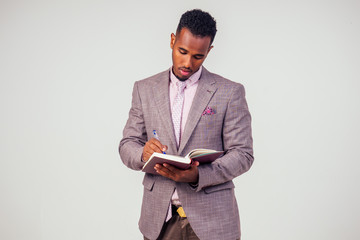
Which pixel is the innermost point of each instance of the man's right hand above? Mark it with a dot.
(151, 146)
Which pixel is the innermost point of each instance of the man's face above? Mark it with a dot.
(188, 53)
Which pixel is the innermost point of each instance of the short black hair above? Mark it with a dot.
(199, 23)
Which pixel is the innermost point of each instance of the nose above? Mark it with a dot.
(187, 62)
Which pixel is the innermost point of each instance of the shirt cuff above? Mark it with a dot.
(194, 186)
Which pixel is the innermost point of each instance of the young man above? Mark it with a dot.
(189, 108)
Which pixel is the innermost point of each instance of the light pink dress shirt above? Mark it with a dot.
(189, 94)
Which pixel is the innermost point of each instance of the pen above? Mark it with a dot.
(157, 137)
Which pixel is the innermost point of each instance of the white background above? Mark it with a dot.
(66, 74)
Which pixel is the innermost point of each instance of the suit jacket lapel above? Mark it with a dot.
(162, 103)
(204, 93)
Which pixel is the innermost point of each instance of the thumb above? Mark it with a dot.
(195, 163)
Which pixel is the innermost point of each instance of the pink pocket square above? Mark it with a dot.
(208, 111)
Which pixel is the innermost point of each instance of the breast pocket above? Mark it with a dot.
(209, 131)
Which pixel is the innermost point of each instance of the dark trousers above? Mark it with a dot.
(177, 228)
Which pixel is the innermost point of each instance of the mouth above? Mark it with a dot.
(185, 72)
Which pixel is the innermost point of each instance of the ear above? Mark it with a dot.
(211, 47)
(172, 40)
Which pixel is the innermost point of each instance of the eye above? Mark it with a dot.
(198, 57)
(182, 51)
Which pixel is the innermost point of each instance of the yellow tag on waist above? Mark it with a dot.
(181, 212)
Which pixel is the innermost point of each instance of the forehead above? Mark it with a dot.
(186, 40)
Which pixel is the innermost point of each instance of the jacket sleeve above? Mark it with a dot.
(134, 134)
(237, 142)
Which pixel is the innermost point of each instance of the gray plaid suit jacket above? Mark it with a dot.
(211, 207)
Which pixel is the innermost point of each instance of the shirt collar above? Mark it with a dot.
(190, 81)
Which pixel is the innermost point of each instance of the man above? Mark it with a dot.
(189, 108)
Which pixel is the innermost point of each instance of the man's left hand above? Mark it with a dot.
(190, 175)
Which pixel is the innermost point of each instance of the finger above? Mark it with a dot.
(147, 156)
(147, 151)
(171, 168)
(163, 171)
(154, 148)
(151, 147)
(157, 146)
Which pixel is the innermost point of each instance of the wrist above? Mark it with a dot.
(196, 182)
